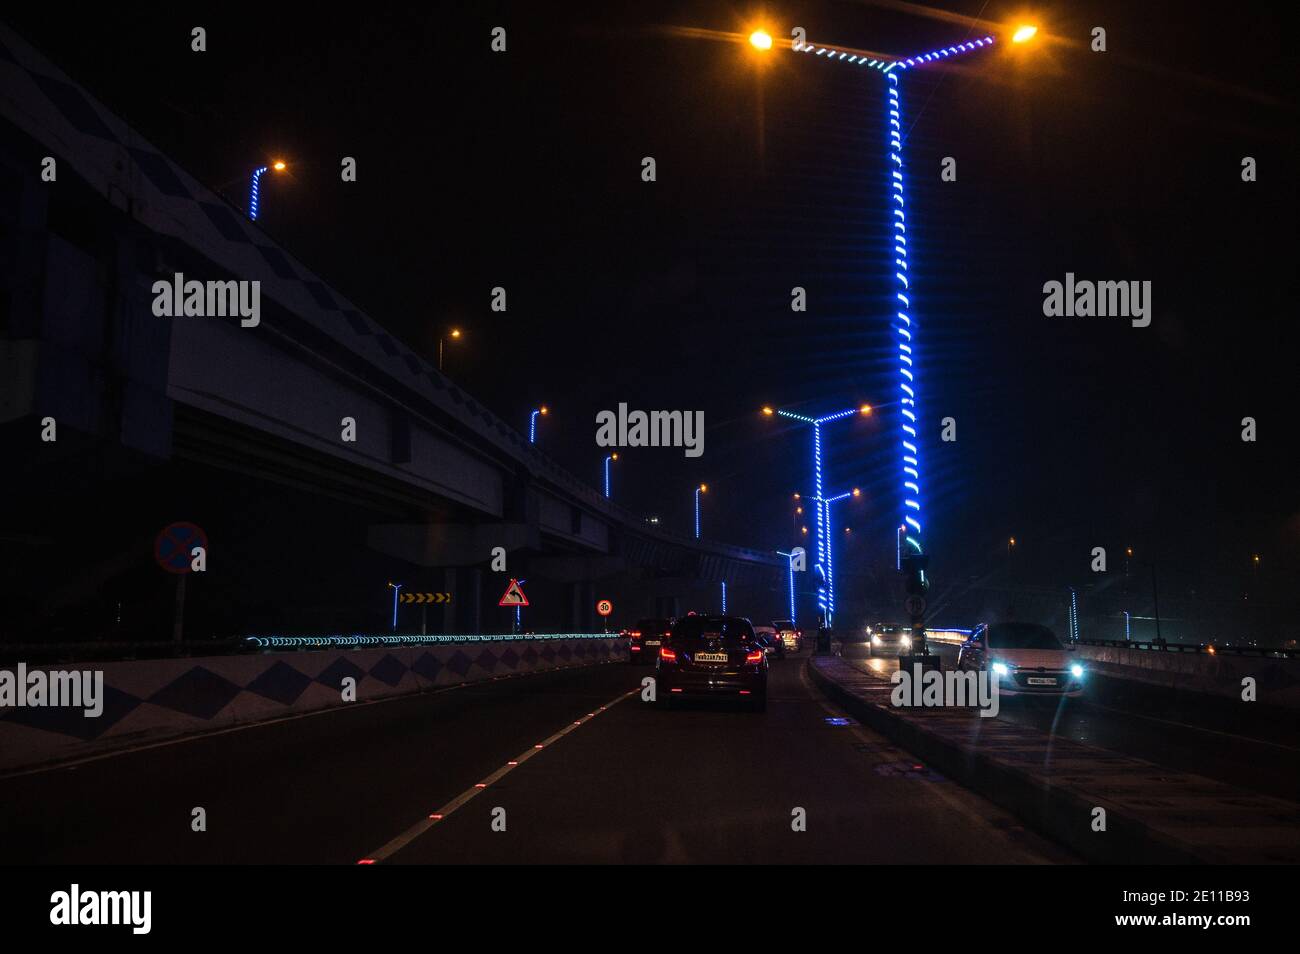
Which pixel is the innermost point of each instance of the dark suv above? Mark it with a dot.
(712, 656)
(645, 638)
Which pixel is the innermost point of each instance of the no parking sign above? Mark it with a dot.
(174, 548)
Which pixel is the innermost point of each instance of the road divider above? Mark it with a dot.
(1110, 808)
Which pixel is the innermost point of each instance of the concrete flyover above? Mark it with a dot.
(314, 397)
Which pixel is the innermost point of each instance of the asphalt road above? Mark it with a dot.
(626, 783)
(1249, 746)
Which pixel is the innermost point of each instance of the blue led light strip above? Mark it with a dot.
(825, 585)
(914, 61)
(823, 580)
(888, 64)
(907, 378)
(255, 193)
(847, 56)
(789, 559)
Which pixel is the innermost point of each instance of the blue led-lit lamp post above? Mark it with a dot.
(397, 588)
(789, 559)
(825, 597)
(532, 423)
(701, 489)
(914, 561)
(830, 549)
(255, 188)
(608, 460)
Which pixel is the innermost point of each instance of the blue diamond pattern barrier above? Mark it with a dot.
(150, 699)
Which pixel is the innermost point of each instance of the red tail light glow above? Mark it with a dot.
(667, 655)
(755, 657)
(635, 634)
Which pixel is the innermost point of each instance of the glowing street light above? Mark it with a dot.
(701, 489)
(825, 592)
(608, 460)
(760, 40)
(789, 558)
(1024, 34)
(255, 190)
(454, 335)
(532, 424)
(396, 589)
(825, 514)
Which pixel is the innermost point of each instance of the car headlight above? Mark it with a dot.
(875, 640)
(1000, 668)
(1076, 671)
(905, 642)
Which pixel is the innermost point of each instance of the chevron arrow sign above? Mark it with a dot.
(426, 597)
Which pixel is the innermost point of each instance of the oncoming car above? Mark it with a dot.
(712, 656)
(1027, 658)
(886, 639)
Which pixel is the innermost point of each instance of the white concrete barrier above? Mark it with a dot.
(152, 699)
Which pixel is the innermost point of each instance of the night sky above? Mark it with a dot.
(522, 170)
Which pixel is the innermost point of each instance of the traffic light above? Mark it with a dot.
(914, 575)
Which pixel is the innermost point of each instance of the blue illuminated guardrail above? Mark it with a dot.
(121, 651)
(358, 641)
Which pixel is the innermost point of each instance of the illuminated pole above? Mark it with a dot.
(724, 597)
(789, 559)
(532, 424)
(611, 457)
(701, 489)
(825, 598)
(914, 565)
(830, 551)
(255, 189)
(396, 589)
(455, 334)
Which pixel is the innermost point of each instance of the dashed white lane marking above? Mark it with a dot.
(420, 827)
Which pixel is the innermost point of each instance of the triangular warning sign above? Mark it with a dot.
(514, 595)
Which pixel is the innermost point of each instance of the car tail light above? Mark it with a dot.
(667, 655)
(635, 649)
(755, 657)
(635, 634)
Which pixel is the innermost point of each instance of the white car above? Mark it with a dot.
(1027, 658)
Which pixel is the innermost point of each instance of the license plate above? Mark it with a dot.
(711, 657)
(1039, 681)
(652, 642)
